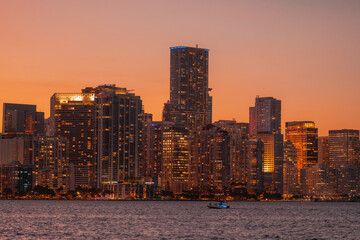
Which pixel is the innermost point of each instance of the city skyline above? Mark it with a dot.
(313, 48)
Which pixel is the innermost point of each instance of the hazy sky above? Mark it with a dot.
(306, 53)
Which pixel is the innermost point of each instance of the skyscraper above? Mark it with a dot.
(303, 135)
(190, 102)
(291, 180)
(211, 159)
(176, 158)
(272, 161)
(343, 148)
(73, 118)
(265, 116)
(152, 139)
(119, 116)
(344, 159)
(323, 150)
(265, 124)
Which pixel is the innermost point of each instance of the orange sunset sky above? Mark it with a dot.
(306, 53)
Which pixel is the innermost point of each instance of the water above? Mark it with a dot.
(177, 220)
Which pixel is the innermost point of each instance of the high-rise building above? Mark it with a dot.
(119, 116)
(343, 148)
(245, 157)
(323, 150)
(152, 139)
(304, 137)
(265, 117)
(291, 179)
(252, 123)
(176, 158)
(344, 159)
(73, 118)
(254, 156)
(211, 163)
(22, 119)
(190, 102)
(272, 161)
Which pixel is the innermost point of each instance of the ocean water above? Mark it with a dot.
(52, 219)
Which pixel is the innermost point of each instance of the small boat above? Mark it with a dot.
(218, 205)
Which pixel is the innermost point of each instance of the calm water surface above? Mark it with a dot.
(177, 220)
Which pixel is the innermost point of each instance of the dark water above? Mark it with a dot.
(177, 220)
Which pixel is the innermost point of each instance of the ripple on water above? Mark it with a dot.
(177, 220)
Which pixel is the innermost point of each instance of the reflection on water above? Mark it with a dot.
(177, 220)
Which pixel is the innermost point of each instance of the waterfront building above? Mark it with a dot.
(317, 180)
(344, 159)
(246, 157)
(119, 116)
(272, 161)
(60, 179)
(254, 156)
(152, 140)
(17, 177)
(175, 175)
(211, 163)
(291, 179)
(348, 181)
(73, 118)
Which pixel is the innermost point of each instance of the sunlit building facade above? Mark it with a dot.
(272, 161)
(304, 136)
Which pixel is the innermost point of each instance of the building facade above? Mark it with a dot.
(304, 136)
(21, 119)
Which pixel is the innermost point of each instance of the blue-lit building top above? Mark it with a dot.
(183, 47)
